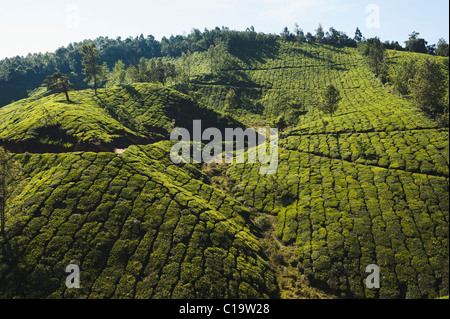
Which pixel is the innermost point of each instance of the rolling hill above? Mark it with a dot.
(368, 185)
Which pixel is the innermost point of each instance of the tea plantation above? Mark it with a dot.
(368, 185)
(137, 226)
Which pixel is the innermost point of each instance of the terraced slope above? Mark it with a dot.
(137, 226)
(367, 186)
(135, 114)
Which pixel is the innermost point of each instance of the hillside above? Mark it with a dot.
(368, 185)
(115, 118)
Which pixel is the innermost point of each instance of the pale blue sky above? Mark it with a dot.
(44, 25)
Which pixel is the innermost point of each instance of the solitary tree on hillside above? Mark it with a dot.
(330, 100)
(92, 69)
(59, 82)
(377, 58)
(8, 172)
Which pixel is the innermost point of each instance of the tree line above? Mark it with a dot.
(28, 72)
(98, 74)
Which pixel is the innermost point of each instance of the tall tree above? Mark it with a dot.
(299, 34)
(320, 33)
(429, 87)
(164, 71)
(358, 35)
(104, 74)
(416, 44)
(310, 38)
(118, 74)
(231, 102)
(330, 100)
(377, 58)
(90, 61)
(59, 82)
(9, 170)
(442, 48)
(217, 56)
(184, 70)
(286, 34)
(403, 75)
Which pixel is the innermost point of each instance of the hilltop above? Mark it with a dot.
(115, 118)
(368, 185)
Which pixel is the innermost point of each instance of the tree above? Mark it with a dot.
(403, 76)
(141, 72)
(431, 49)
(132, 74)
(320, 34)
(295, 109)
(330, 100)
(164, 71)
(104, 74)
(310, 38)
(217, 56)
(442, 48)
(231, 102)
(185, 70)
(299, 34)
(358, 35)
(151, 71)
(429, 88)
(90, 62)
(59, 82)
(416, 44)
(9, 170)
(286, 34)
(280, 122)
(145, 70)
(376, 58)
(118, 74)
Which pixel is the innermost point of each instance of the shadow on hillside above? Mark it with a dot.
(342, 114)
(335, 49)
(256, 52)
(135, 94)
(64, 101)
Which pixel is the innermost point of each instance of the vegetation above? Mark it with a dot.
(330, 100)
(21, 74)
(428, 88)
(95, 72)
(115, 118)
(367, 185)
(59, 82)
(9, 171)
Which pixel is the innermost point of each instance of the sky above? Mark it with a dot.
(33, 26)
